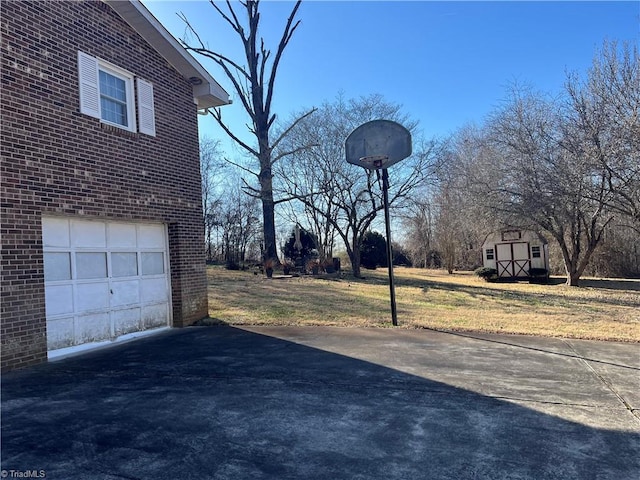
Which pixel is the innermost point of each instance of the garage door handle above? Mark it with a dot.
(111, 290)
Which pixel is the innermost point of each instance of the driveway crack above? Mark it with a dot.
(605, 382)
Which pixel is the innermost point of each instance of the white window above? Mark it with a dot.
(152, 263)
(535, 252)
(91, 265)
(115, 98)
(489, 253)
(124, 264)
(107, 93)
(57, 266)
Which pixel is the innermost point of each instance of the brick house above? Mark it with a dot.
(102, 234)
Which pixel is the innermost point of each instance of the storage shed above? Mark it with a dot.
(514, 253)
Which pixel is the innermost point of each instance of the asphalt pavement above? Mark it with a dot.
(233, 403)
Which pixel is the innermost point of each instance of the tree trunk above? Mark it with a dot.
(269, 226)
(209, 251)
(573, 280)
(573, 276)
(353, 251)
(268, 214)
(355, 264)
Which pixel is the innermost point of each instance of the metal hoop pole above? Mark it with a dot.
(392, 289)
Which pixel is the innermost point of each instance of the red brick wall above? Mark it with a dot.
(58, 161)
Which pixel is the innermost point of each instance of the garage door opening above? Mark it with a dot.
(103, 280)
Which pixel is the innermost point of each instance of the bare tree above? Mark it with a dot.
(418, 222)
(539, 179)
(618, 255)
(254, 83)
(239, 224)
(448, 226)
(309, 171)
(567, 166)
(311, 220)
(603, 125)
(452, 221)
(347, 197)
(211, 165)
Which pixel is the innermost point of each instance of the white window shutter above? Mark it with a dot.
(89, 85)
(146, 113)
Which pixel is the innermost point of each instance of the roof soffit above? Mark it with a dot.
(208, 93)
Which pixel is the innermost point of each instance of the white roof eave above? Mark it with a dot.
(207, 92)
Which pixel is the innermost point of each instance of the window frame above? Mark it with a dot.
(490, 253)
(128, 79)
(536, 251)
(140, 100)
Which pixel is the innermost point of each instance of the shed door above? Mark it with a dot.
(512, 259)
(103, 279)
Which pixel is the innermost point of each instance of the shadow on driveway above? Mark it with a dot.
(231, 403)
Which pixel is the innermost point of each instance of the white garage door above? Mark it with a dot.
(103, 279)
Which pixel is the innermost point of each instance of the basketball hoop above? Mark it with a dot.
(378, 144)
(373, 162)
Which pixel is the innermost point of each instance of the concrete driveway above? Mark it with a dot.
(328, 403)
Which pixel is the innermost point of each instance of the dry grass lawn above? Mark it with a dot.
(601, 309)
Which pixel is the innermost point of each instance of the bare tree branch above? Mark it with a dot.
(248, 82)
(241, 167)
(340, 199)
(286, 131)
(286, 36)
(218, 116)
(203, 50)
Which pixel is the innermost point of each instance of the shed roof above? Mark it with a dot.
(206, 91)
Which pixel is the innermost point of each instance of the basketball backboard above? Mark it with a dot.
(378, 144)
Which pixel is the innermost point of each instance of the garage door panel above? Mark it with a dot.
(94, 327)
(92, 296)
(126, 321)
(57, 266)
(60, 333)
(155, 316)
(59, 299)
(55, 232)
(91, 265)
(152, 263)
(154, 290)
(124, 264)
(88, 234)
(151, 236)
(125, 292)
(121, 235)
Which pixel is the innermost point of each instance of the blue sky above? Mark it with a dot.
(447, 63)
